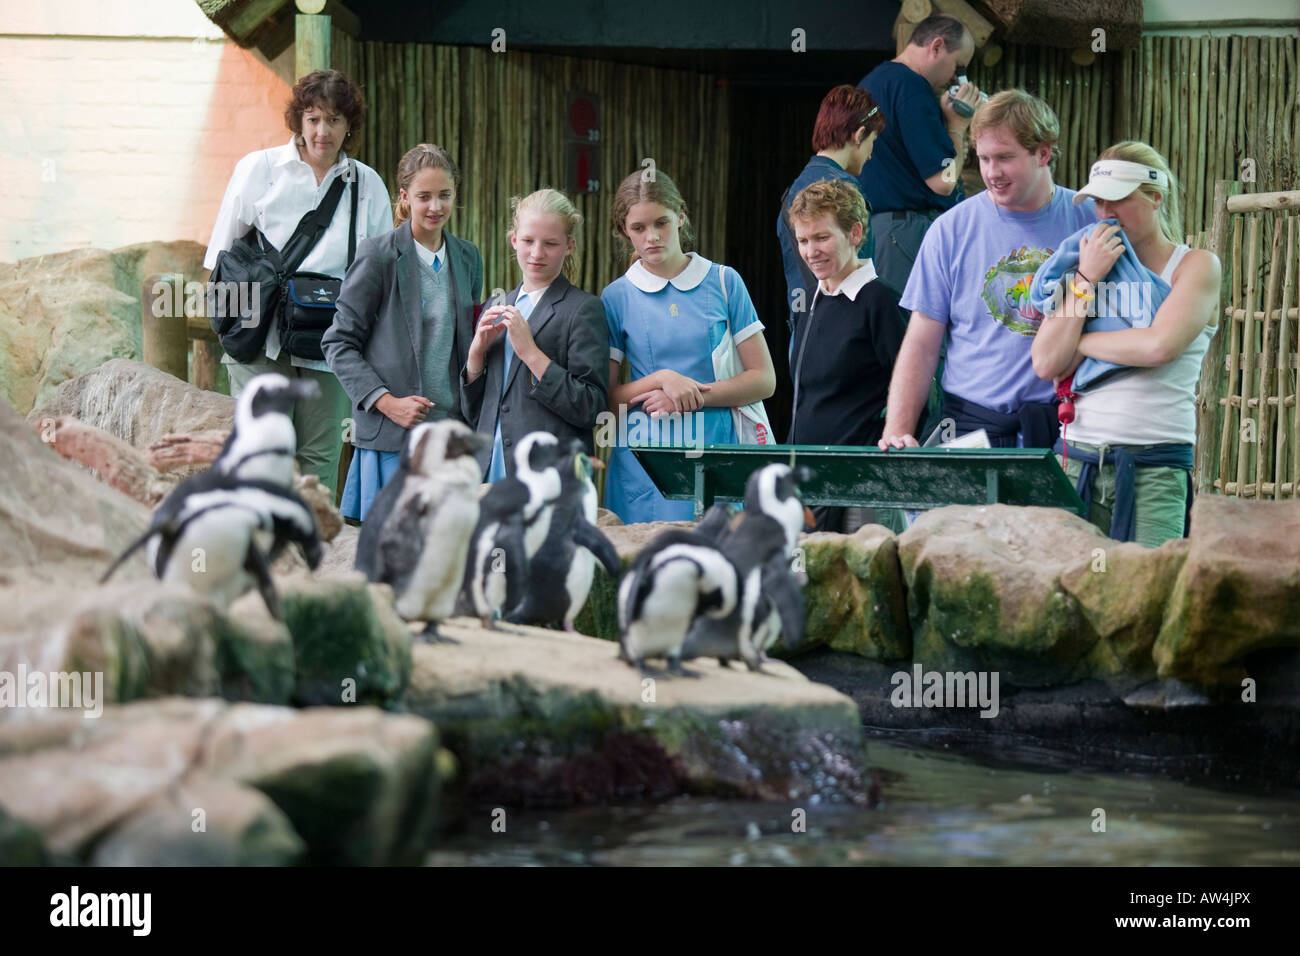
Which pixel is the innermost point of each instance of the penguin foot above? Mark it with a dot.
(430, 635)
(677, 670)
(724, 663)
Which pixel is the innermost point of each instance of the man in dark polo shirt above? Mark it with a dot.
(914, 172)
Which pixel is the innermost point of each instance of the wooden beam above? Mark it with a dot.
(252, 16)
(1259, 202)
(344, 19)
(311, 45)
(915, 10)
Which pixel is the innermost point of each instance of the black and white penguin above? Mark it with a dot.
(768, 596)
(773, 490)
(263, 443)
(514, 519)
(560, 573)
(677, 577)
(205, 534)
(417, 532)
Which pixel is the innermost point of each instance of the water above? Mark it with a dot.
(935, 808)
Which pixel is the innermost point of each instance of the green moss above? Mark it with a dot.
(253, 668)
(338, 635)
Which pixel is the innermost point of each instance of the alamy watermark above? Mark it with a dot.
(173, 299)
(75, 690)
(922, 688)
(638, 429)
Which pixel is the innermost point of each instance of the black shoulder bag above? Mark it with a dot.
(308, 299)
(250, 279)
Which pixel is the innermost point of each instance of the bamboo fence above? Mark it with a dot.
(1248, 430)
(502, 116)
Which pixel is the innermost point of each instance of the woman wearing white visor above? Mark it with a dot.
(1131, 442)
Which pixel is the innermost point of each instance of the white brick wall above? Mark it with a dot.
(120, 122)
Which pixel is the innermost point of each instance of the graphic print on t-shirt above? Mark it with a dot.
(1006, 290)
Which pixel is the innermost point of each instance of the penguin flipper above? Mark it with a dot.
(255, 564)
(781, 589)
(587, 535)
(511, 540)
(131, 549)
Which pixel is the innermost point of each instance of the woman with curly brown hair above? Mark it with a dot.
(272, 189)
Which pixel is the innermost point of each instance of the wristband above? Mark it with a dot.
(1085, 296)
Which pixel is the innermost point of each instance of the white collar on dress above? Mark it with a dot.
(851, 286)
(289, 153)
(684, 281)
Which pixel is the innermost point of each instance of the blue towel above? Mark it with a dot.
(1128, 306)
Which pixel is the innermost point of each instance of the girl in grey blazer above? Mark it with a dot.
(540, 360)
(404, 324)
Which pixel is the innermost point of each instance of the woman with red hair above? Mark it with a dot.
(847, 125)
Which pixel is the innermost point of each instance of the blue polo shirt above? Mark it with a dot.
(911, 148)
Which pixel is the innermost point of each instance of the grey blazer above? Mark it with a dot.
(568, 324)
(377, 337)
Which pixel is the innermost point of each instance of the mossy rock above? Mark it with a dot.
(345, 630)
(20, 844)
(854, 598)
(984, 592)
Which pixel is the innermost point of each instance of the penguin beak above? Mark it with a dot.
(596, 464)
(809, 522)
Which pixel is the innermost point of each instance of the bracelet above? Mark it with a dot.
(1086, 296)
(1085, 278)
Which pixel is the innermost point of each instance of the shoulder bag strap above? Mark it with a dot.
(352, 222)
(311, 228)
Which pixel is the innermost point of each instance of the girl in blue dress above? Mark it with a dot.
(667, 314)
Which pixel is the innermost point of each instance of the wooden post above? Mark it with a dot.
(162, 321)
(207, 365)
(311, 41)
(1212, 371)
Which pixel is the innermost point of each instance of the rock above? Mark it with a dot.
(1237, 592)
(629, 539)
(56, 521)
(854, 596)
(359, 786)
(119, 465)
(548, 718)
(607, 519)
(1122, 592)
(138, 404)
(353, 786)
(65, 314)
(75, 779)
(341, 552)
(149, 639)
(984, 591)
(20, 844)
(345, 629)
(210, 823)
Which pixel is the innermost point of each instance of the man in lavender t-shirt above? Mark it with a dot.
(970, 284)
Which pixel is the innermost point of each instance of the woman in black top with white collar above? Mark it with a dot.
(844, 352)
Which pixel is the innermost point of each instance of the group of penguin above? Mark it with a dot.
(524, 551)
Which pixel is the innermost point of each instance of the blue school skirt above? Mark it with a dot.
(369, 471)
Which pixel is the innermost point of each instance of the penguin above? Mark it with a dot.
(263, 443)
(560, 573)
(773, 490)
(205, 534)
(514, 519)
(768, 597)
(677, 577)
(417, 532)
(760, 542)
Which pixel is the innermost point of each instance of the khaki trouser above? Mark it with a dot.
(1160, 511)
(318, 422)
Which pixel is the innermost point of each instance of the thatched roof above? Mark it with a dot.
(1066, 23)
